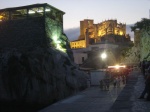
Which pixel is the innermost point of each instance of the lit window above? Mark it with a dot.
(36, 12)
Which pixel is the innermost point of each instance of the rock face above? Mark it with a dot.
(40, 76)
(32, 70)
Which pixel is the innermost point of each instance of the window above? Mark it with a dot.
(36, 12)
(19, 14)
(4, 16)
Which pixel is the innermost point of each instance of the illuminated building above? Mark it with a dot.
(108, 30)
(37, 25)
(107, 36)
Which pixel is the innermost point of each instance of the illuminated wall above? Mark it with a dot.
(111, 27)
(78, 44)
(96, 31)
(84, 25)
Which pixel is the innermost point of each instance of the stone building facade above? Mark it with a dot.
(92, 33)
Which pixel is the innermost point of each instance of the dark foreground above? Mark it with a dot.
(19, 107)
(122, 99)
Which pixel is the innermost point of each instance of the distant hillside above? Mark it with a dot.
(73, 33)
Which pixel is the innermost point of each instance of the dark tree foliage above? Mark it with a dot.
(144, 24)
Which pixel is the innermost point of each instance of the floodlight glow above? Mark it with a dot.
(47, 10)
(117, 66)
(60, 48)
(31, 12)
(40, 11)
(57, 43)
(103, 55)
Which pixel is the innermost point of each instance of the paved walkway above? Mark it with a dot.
(92, 99)
(128, 100)
(123, 99)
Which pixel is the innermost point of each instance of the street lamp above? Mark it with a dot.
(103, 56)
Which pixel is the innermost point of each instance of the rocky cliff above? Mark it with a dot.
(38, 76)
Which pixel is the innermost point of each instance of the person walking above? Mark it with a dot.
(107, 83)
(143, 67)
(123, 79)
(148, 88)
(101, 84)
(114, 81)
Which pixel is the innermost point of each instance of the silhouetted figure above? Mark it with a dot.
(106, 83)
(123, 79)
(147, 87)
(144, 91)
(101, 84)
(148, 84)
(143, 68)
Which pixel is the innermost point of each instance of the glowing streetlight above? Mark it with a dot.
(103, 56)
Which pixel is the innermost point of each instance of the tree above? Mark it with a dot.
(144, 28)
(144, 24)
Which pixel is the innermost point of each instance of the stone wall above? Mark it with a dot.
(38, 77)
(21, 34)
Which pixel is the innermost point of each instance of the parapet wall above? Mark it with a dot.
(23, 34)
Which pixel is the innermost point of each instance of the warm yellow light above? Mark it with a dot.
(117, 66)
(1, 17)
(121, 33)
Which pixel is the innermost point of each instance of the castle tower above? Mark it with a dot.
(87, 23)
(91, 33)
(87, 37)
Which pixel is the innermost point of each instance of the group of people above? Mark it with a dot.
(122, 76)
(113, 77)
(117, 81)
(104, 84)
(145, 66)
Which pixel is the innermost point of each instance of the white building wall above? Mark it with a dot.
(96, 76)
(78, 57)
(79, 53)
(103, 46)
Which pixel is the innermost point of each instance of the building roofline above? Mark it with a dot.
(30, 6)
